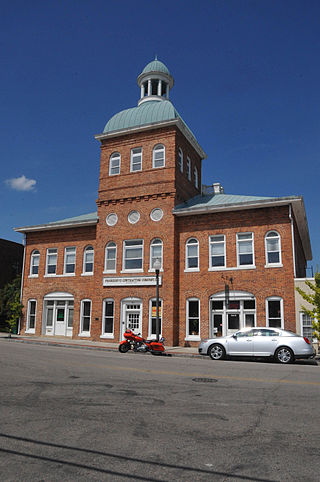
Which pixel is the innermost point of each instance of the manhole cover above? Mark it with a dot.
(205, 380)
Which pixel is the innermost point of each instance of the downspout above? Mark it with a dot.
(293, 243)
(22, 276)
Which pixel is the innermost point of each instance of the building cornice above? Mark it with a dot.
(52, 226)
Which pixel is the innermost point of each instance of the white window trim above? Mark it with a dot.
(196, 178)
(189, 168)
(180, 159)
(272, 265)
(114, 156)
(87, 273)
(150, 335)
(65, 261)
(47, 265)
(238, 254)
(28, 329)
(31, 275)
(186, 269)
(81, 332)
(107, 335)
(217, 268)
(132, 155)
(136, 270)
(274, 298)
(192, 337)
(105, 258)
(164, 156)
(152, 270)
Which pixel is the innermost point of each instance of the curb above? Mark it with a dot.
(90, 347)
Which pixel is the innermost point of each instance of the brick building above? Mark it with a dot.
(227, 261)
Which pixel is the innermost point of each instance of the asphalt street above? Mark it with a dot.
(77, 414)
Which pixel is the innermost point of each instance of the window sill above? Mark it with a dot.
(85, 334)
(33, 276)
(192, 338)
(192, 270)
(110, 272)
(278, 265)
(153, 270)
(235, 268)
(128, 271)
(31, 331)
(86, 274)
(107, 337)
(59, 275)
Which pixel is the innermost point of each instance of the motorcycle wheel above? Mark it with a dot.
(124, 347)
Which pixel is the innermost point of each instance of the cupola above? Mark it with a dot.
(155, 82)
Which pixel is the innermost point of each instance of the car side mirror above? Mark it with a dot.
(234, 335)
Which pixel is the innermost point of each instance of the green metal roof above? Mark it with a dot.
(84, 219)
(156, 66)
(225, 200)
(147, 113)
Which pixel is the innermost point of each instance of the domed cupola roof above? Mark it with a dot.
(156, 66)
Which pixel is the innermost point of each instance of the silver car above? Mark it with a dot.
(283, 345)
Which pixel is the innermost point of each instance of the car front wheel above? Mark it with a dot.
(284, 355)
(217, 352)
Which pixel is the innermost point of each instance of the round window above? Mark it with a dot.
(111, 219)
(156, 214)
(133, 217)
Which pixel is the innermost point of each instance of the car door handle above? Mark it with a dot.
(274, 339)
(249, 340)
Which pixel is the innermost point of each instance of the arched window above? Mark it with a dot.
(156, 252)
(158, 156)
(273, 248)
(180, 159)
(196, 178)
(188, 169)
(110, 257)
(34, 263)
(114, 164)
(192, 255)
(88, 256)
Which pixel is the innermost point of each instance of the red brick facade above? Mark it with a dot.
(142, 191)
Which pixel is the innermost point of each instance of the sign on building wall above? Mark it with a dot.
(131, 281)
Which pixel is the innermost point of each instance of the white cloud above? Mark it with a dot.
(21, 183)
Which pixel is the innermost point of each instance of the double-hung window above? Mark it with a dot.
(274, 311)
(70, 260)
(158, 156)
(192, 255)
(133, 255)
(273, 252)
(88, 260)
(114, 164)
(245, 249)
(193, 318)
(34, 263)
(306, 326)
(31, 316)
(217, 251)
(156, 252)
(180, 159)
(108, 318)
(110, 257)
(85, 317)
(51, 265)
(153, 318)
(188, 169)
(196, 178)
(136, 159)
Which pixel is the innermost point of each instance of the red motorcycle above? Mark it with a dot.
(137, 343)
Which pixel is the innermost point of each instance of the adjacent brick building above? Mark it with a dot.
(227, 261)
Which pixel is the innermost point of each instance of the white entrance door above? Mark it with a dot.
(58, 317)
(133, 319)
(60, 328)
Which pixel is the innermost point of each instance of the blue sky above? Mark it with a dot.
(247, 77)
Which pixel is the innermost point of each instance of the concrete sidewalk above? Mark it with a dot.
(97, 345)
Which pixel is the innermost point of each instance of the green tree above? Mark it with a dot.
(10, 306)
(314, 299)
